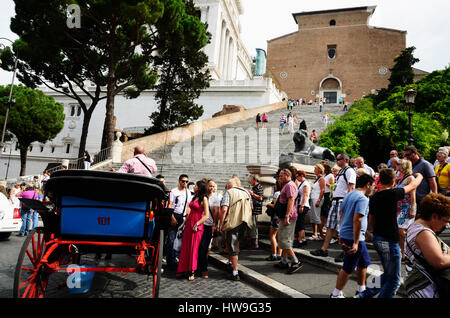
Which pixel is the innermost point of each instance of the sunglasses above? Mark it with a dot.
(338, 159)
(184, 181)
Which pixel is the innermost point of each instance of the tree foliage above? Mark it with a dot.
(114, 48)
(182, 71)
(402, 73)
(34, 117)
(365, 131)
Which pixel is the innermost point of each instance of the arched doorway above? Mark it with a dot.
(330, 88)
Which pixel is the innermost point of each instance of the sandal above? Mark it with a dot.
(191, 277)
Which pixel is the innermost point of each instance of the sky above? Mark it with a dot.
(427, 24)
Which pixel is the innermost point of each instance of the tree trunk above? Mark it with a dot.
(108, 128)
(23, 159)
(84, 131)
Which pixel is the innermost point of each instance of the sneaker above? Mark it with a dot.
(296, 244)
(278, 258)
(313, 238)
(339, 258)
(303, 243)
(282, 265)
(357, 295)
(319, 252)
(341, 295)
(235, 278)
(333, 241)
(294, 267)
(271, 258)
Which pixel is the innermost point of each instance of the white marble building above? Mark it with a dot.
(230, 65)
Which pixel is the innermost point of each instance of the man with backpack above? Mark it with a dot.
(345, 183)
(235, 219)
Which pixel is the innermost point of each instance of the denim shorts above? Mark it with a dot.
(273, 222)
(360, 259)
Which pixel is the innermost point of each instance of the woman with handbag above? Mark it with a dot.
(427, 253)
(197, 214)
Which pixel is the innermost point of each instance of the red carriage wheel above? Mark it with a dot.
(158, 263)
(31, 276)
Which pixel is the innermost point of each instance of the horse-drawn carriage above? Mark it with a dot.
(94, 212)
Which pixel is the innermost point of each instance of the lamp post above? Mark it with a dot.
(410, 96)
(10, 100)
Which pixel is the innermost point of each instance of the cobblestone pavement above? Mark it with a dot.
(131, 285)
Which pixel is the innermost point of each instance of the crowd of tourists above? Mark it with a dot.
(401, 207)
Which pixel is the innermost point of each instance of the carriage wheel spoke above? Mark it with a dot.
(30, 257)
(33, 245)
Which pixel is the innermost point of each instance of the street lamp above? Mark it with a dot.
(10, 100)
(410, 96)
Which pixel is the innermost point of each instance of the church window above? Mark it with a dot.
(332, 22)
(72, 110)
(331, 51)
(68, 148)
(79, 111)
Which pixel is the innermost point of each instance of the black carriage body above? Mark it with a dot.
(105, 207)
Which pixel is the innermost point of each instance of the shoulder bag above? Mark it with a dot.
(441, 277)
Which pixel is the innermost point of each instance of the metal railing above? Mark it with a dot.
(78, 163)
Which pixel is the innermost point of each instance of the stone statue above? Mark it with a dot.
(305, 151)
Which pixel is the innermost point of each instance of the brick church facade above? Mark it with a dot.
(334, 53)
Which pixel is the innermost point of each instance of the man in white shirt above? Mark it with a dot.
(178, 200)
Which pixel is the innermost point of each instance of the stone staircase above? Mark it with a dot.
(190, 158)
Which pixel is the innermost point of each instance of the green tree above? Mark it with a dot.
(182, 71)
(372, 133)
(402, 73)
(34, 117)
(114, 47)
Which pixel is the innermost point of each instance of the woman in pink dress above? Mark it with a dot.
(198, 212)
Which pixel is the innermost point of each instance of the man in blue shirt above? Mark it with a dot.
(354, 209)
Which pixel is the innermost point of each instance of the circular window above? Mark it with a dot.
(332, 22)
(331, 53)
(383, 70)
(283, 74)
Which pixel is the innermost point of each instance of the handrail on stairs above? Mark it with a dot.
(78, 163)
